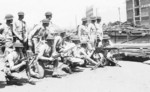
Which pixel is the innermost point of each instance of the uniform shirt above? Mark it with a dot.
(92, 29)
(67, 46)
(7, 32)
(79, 52)
(99, 30)
(20, 28)
(83, 30)
(38, 32)
(83, 33)
(12, 58)
(58, 43)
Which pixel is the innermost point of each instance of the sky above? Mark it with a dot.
(66, 13)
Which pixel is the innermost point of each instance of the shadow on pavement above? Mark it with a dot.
(16, 82)
(2, 84)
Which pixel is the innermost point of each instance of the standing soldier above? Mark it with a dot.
(20, 30)
(20, 27)
(93, 31)
(6, 31)
(83, 30)
(99, 28)
(39, 33)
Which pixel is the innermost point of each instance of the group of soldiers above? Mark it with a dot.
(42, 48)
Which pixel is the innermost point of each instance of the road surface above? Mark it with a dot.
(131, 77)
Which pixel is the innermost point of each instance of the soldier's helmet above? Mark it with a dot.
(98, 17)
(48, 13)
(75, 39)
(20, 13)
(106, 37)
(84, 19)
(45, 21)
(9, 17)
(50, 38)
(61, 31)
(93, 18)
(18, 44)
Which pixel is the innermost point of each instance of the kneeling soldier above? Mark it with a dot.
(14, 62)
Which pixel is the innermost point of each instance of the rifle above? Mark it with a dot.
(62, 53)
(103, 50)
(29, 64)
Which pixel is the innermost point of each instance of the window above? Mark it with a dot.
(137, 12)
(136, 2)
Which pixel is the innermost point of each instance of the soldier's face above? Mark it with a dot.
(63, 34)
(93, 21)
(21, 16)
(85, 22)
(10, 21)
(98, 20)
(49, 17)
(45, 24)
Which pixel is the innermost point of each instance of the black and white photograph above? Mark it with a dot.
(74, 45)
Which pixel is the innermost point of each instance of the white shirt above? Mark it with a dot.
(99, 30)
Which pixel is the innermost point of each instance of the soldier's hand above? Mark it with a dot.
(62, 54)
(30, 43)
(51, 59)
(24, 62)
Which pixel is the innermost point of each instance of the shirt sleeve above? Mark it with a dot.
(42, 50)
(33, 32)
(56, 39)
(10, 60)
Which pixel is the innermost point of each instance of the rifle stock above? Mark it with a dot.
(62, 53)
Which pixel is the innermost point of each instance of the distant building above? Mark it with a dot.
(138, 12)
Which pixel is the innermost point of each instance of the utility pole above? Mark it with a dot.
(96, 12)
(76, 20)
(119, 14)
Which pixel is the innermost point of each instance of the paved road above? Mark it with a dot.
(131, 77)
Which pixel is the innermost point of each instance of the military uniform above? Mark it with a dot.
(83, 32)
(38, 33)
(13, 62)
(99, 29)
(7, 33)
(93, 32)
(58, 42)
(20, 27)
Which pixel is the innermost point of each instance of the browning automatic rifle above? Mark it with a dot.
(103, 50)
(62, 53)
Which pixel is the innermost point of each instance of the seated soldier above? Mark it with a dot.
(84, 53)
(44, 57)
(107, 54)
(14, 62)
(72, 61)
(43, 52)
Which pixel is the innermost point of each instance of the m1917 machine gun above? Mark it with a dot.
(105, 50)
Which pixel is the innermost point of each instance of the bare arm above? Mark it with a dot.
(56, 39)
(32, 33)
(14, 31)
(11, 63)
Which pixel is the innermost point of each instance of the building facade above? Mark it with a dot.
(138, 12)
